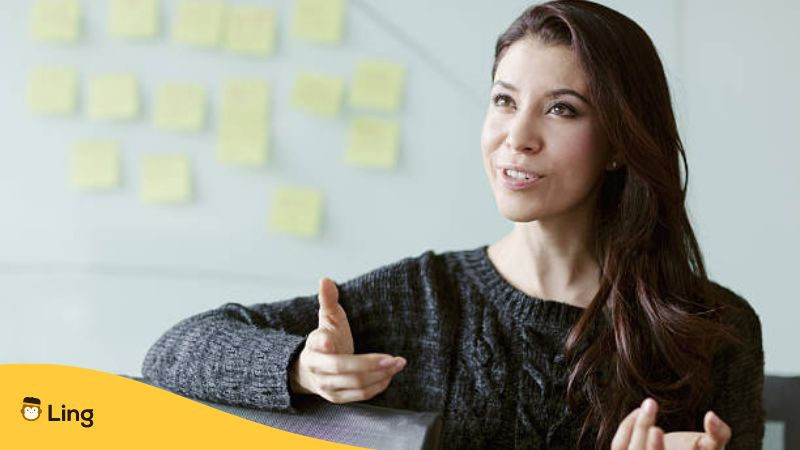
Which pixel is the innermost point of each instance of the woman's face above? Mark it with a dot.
(543, 149)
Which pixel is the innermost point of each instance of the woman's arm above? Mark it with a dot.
(234, 354)
(242, 355)
(739, 377)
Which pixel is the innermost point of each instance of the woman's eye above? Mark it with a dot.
(562, 109)
(502, 100)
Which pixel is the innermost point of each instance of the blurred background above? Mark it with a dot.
(123, 213)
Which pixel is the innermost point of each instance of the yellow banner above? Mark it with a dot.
(52, 406)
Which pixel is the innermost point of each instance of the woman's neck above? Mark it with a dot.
(549, 260)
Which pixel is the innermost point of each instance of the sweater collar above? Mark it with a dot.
(507, 298)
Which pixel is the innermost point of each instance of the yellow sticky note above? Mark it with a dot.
(198, 23)
(166, 179)
(52, 90)
(297, 211)
(319, 20)
(56, 20)
(377, 85)
(373, 143)
(113, 97)
(250, 30)
(133, 18)
(95, 165)
(180, 107)
(243, 129)
(316, 93)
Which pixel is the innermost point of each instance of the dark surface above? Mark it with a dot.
(353, 423)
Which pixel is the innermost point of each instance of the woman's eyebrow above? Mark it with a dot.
(567, 91)
(552, 93)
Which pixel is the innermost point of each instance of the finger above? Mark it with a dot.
(328, 296)
(682, 439)
(322, 363)
(357, 395)
(623, 435)
(332, 383)
(645, 419)
(655, 439)
(322, 341)
(717, 433)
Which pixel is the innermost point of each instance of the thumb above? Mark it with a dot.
(717, 433)
(330, 313)
(333, 319)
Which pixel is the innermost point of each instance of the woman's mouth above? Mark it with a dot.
(517, 179)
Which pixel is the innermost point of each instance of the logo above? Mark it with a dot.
(31, 408)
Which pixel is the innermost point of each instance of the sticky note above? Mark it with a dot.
(113, 97)
(133, 19)
(296, 211)
(377, 85)
(319, 20)
(250, 30)
(165, 179)
(317, 93)
(95, 165)
(373, 142)
(52, 90)
(56, 20)
(180, 107)
(198, 23)
(243, 128)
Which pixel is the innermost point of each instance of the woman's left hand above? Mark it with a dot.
(716, 435)
(639, 432)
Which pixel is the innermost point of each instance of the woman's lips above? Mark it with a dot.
(516, 184)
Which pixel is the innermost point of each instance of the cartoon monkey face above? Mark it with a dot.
(31, 412)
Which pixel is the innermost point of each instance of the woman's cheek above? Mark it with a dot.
(491, 135)
(580, 149)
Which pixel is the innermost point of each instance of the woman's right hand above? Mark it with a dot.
(327, 365)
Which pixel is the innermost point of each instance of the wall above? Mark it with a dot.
(92, 280)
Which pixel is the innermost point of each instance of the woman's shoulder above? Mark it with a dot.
(733, 307)
(445, 260)
(739, 316)
(429, 264)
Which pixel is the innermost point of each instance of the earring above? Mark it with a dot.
(613, 165)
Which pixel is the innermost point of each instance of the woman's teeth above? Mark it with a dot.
(518, 175)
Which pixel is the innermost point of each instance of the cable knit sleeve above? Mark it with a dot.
(739, 376)
(242, 354)
(233, 354)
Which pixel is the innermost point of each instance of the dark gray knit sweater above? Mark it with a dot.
(484, 354)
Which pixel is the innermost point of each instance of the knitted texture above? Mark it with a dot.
(486, 355)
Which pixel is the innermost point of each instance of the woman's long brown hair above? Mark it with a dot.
(654, 292)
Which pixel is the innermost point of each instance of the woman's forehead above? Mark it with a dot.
(528, 64)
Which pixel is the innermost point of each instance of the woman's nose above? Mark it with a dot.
(523, 135)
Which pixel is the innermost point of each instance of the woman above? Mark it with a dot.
(592, 324)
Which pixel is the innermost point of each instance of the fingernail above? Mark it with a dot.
(386, 362)
(715, 422)
(648, 405)
(400, 363)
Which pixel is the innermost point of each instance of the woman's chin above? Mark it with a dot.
(517, 206)
(516, 214)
